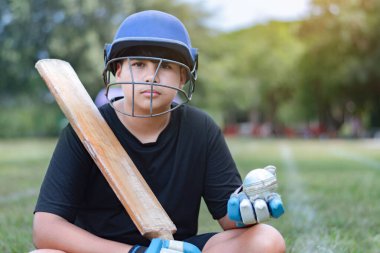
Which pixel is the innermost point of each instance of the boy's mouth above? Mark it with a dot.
(150, 92)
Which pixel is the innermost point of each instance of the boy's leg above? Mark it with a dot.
(258, 238)
(200, 240)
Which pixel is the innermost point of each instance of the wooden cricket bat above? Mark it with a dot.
(126, 181)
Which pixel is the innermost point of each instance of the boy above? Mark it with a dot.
(178, 149)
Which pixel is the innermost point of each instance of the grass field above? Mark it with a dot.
(330, 188)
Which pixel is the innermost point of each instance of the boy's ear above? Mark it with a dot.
(118, 69)
(183, 77)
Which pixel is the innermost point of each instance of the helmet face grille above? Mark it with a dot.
(155, 36)
(135, 84)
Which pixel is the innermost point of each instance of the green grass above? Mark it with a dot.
(330, 188)
(22, 167)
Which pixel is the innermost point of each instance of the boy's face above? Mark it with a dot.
(146, 94)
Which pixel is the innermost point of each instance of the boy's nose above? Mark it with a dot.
(151, 79)
(150, 74)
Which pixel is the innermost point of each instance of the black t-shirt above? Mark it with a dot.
(189, 160)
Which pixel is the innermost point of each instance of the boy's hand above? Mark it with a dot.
(245, 212)
(256, 200)
(166, 246)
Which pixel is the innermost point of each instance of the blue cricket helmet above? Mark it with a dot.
(153, 28)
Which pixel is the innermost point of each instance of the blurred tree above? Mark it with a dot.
(255, 70)
(339, 72)
(323, 68)
(72, 30)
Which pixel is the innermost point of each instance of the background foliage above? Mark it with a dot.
(322, 70)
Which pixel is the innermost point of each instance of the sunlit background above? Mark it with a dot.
(234, 15)
(267, 68)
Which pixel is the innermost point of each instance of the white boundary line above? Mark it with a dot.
(314, 236)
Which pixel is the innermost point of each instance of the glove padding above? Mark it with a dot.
(258, 201)
(166, 246)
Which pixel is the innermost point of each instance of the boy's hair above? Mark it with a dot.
(148, 51)
(152, 51)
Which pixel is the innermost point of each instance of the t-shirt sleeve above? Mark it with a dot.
(222, 176)
(62, 190)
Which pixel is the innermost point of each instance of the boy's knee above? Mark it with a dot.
(256, 239)
(268, 239)
(275, 244)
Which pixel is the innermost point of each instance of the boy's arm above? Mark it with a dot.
(53, 232)
(226, 223)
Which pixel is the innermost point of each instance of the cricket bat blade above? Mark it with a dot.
(115, 164)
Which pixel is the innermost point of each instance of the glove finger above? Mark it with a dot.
(246, 211)
(155, 246)
(261, 210)
(173, 245)
(164, 250)
(233, 209)
(178, 246)
(190, 248)
(276, 208)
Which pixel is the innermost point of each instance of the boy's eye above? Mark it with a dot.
(137, 64)
(166, 65)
